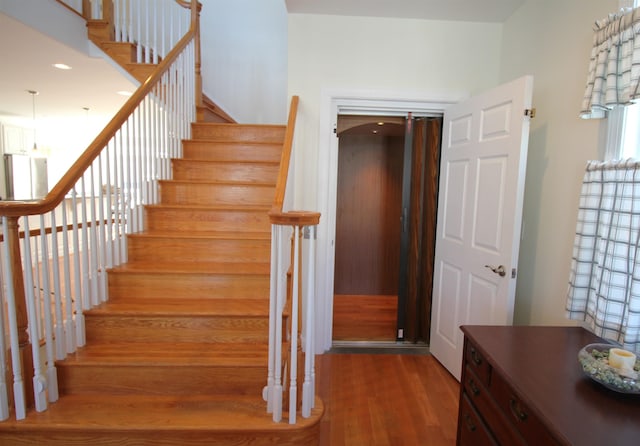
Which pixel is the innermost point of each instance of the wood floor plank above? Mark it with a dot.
(364, 317)
(390, 400)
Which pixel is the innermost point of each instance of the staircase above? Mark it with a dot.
(125, 55)
(178, 354)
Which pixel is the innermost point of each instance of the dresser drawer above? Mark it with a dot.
(471, 429)
(477, 363)
(496, 422)
(519, 414)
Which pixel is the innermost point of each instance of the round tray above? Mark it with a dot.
(594, 359)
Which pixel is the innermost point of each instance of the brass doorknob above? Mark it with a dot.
(499, 270)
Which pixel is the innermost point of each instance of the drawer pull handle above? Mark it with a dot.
(474, 389)
(477, 359)
(470, 425)
(516, 410)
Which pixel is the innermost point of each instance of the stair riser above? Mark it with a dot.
(167, 249)
(122, 52)
(174, 192)
(123, 379)
(193, 220)
(203, 114)
(140, 328)
(226, 171)
(99, 31)
(220, 151)
(140, 71)
(171, 285)
(236, 132)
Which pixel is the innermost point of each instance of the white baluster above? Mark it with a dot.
(61, 349)
(77, 272)
(269, 389)
(156, 25)
(93, 241)
(39, 381)
(124, 194)
(117, 197)
(138, 172)
(308, 388)
(36, 288)
(4, 394)
(117, 19)
(69, 326)
(107, 213)
(293, 360)
(280, 300)
(136, 31)
(101, 232)
(52, 375)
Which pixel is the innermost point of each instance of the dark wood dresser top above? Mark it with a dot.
(541, 364)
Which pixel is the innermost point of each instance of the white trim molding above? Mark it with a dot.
(365, 102)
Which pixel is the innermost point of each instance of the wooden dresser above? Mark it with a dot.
(524, 386)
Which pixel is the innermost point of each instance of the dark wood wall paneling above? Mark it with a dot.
(368, 214)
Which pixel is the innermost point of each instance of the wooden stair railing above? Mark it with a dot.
(137, 54)
(292, 292)
(101, 197)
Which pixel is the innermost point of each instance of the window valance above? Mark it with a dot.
(614, 67)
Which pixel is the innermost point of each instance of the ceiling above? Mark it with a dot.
(458, 10)
(66, 93)
(28, 65)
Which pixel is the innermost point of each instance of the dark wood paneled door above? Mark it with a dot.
(417, 237)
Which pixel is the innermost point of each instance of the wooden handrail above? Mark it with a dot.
(59, 228)
(294, 218)
(75, 172)
(285, 158)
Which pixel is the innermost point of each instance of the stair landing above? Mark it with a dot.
(80, 420)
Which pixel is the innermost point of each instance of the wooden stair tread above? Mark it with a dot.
(211, 161)
(238, 268)
(231, 183)
(178, 354)
(219, 235)
(185, 307)
(214, 141)
(238, 413)
(220, 207)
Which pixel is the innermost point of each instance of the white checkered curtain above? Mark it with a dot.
(604, 286)
(614, 67)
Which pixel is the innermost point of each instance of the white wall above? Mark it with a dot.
(379, 59)
(50, 18)
(244, 58)
(361, 53)
(551, 39)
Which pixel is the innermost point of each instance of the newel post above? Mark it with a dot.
(198, 67)
(86, 9)
(108, 16)
(25, 353)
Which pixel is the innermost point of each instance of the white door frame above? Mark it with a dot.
(363, 102)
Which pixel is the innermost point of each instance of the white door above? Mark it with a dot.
(482, 172)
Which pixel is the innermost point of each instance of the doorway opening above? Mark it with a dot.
(385, 228)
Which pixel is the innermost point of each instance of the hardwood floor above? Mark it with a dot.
(364, 317)
(386, 400)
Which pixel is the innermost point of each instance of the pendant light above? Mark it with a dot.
(33, 94)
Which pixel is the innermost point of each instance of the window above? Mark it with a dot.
(604, 285)
(630, 134)
(624, 122)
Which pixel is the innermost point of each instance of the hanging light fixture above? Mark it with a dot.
(33, 94)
